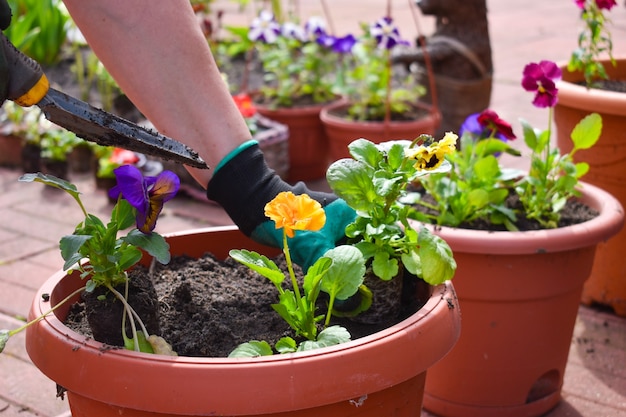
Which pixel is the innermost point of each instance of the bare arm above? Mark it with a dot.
(160, 59)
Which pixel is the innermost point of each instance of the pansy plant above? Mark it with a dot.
(298, 60)
(373, 183)
(476, 187)
(369, 83)
(593, 41)
(102, 254)
(553, 177)
(339, 273)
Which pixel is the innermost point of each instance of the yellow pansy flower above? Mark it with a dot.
(295, 212)
(432, 156)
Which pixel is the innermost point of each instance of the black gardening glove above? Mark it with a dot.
(245, 184)
(5, 21)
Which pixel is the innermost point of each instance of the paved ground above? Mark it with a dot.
(33, 218)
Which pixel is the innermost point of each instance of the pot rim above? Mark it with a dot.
(295, 379)
(433, 116)
(608, 223)
(591, 99)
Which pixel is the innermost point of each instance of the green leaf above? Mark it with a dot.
(384, 267)
(252, 349)
(411, 262)
(313, 277)
(478, 199)
(438, 264)
(129, 257)
(587, 131)
(152, 243)
(346, 273)
(70, 249)
(352, 181)
(144, 345)
(487, 168)
(330, 336)
(286, 345)
(52, 181)
(581, 169)
(530, 136)
(395, 156)
(4, 338)
(123, 214)
(259, 263)
(494, 146)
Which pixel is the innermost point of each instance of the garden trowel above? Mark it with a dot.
(27, 85)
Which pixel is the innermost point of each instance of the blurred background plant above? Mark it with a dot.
(38, 28)
(594, 40)
(375, 92)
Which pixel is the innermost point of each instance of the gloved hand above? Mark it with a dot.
(243, 184)
(5, 21)
(5, 14)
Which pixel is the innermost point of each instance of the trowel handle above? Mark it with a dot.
(26, 82)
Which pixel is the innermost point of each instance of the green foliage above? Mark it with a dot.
(102, 254)
(553, 177)
(372, 183)
(329, 336)
(296, 69)
(593, 42)
(38, 28)
(339, 273)
(57, 143)
(475, 188)
(369, 83)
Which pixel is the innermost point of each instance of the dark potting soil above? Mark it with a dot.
(574, 212)
(206, 307)
(618, 86)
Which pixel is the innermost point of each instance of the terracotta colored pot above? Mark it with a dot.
(80, 159)
(31, 157)
(341, 131)
(10, 150)
(607, 160)
(308, 145)
(519, 293)
(59, 169)
(379, 375)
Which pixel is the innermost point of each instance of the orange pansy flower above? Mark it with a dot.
(295, 212)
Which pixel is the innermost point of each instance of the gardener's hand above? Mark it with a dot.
(5, 21)
(243, 184)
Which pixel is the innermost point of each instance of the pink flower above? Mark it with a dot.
(541, 78)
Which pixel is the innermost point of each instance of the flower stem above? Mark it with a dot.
(66, 299)
(292, 275)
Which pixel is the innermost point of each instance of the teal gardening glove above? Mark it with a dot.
(243, 184)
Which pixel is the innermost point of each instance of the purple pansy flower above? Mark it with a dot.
(326, 40)
(541, 78)
(264, 28)
(146, 194)
(386, 33)
(344, 44)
